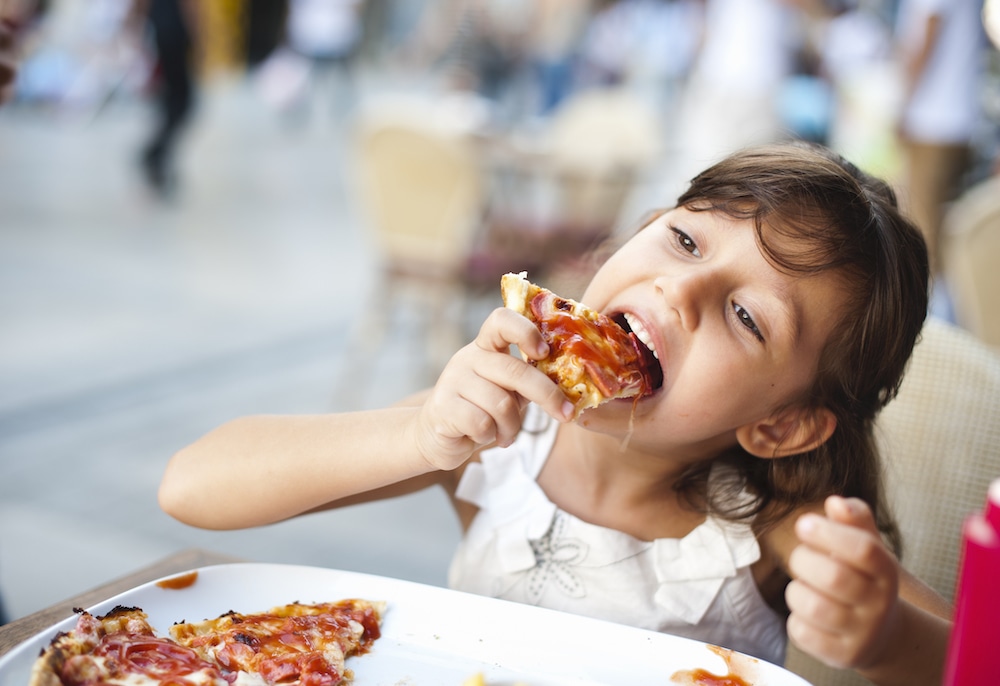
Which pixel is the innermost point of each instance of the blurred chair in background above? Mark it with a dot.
(419, 186)
(943, 51)
(941, 442)
(452, 205)
(971, 257)
(600, 144)
(560, 194)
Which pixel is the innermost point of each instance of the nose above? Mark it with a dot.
(685, 294)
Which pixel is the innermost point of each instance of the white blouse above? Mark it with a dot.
(521, 547)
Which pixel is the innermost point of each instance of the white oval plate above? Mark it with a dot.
(430, 635)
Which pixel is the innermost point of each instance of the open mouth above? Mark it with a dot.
(643, 343)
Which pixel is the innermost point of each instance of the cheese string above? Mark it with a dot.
(631, 425)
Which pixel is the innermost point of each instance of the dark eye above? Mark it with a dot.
(746, 320)
(685, 242)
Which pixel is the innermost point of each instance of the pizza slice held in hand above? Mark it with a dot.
(591, 357)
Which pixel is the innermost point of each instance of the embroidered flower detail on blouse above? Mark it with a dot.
(554, 559)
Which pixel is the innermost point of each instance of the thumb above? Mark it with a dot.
(852, 512)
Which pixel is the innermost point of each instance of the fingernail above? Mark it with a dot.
(807, 523)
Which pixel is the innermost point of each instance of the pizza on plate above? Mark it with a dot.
(119, 648)
(293, 645)
(592, 357)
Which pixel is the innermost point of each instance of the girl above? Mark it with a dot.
(782, 296)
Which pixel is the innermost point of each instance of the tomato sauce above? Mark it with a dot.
(701, 677)
(157, 658)
(735, 662)
(609, 354)
(176, 583)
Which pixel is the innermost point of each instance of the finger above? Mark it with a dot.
(816, 608)
(859, 547)
(827, 647)
(527, 381)
(836, 580)
(504, 407)
(465, 420)
(851, 511)
(504, 328)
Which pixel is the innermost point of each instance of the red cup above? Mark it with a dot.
(973, 647)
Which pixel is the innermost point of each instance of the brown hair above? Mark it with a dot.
(839, 218)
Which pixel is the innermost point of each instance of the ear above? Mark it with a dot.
(790, 431)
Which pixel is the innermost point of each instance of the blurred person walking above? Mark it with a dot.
(8, 72)
(8, 60)
(854, 44)
(8, 75)
(730, 100)
(557, 27)
(325, 34)
(171, 23)
(942, 49)
(476, 47)
(646, 45)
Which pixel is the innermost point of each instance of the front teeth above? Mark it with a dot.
(640, 332)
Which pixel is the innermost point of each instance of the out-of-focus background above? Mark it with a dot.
(221, 207)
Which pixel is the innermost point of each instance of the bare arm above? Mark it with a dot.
(853, 606)
(264, 469)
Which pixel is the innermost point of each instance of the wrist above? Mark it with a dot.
(913, 648)
(433, 448)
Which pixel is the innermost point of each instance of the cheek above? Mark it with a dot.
(634, 261)
(719, 387)
(703, 385)
(606, 282)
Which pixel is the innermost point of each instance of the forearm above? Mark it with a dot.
(916, 652)
(263, 469)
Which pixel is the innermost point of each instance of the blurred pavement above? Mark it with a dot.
(132, 326)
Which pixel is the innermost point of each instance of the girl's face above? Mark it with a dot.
(737, 339)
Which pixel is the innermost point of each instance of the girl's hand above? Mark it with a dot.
(844, 596)
(480, 397)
